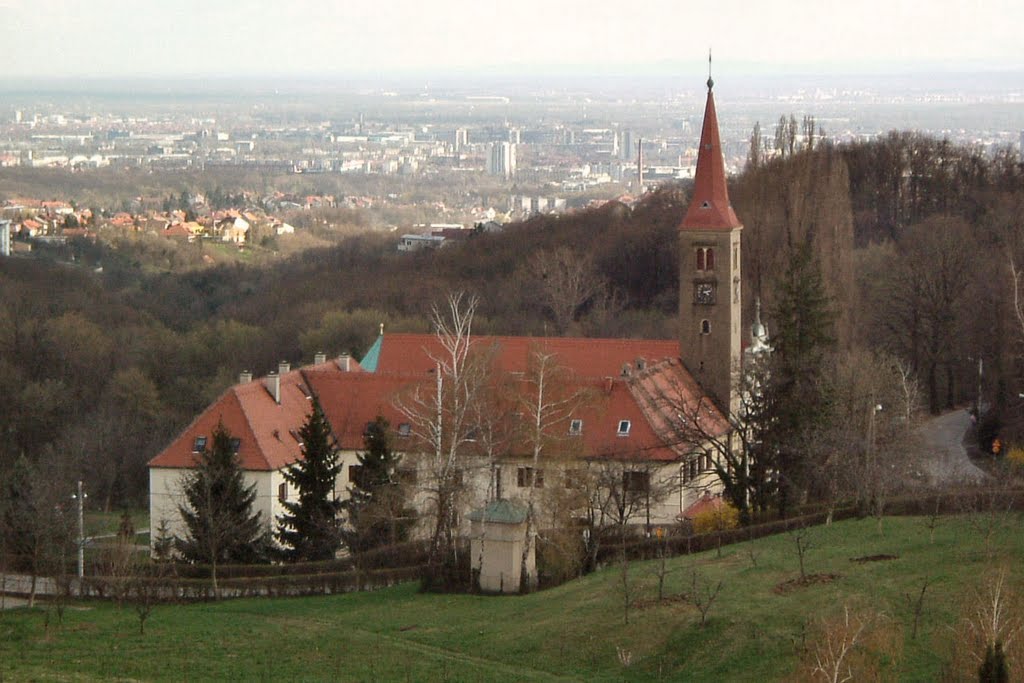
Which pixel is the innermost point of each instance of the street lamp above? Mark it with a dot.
(80, 496)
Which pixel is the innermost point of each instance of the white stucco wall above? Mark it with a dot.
(165, 491)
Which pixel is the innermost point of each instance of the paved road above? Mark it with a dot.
(946, 462)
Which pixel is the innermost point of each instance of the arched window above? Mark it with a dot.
(705, 327)
(709, 259)
(700, 259)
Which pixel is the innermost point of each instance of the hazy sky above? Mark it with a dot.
(62, 38)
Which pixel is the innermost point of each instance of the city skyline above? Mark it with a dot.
(117, 38)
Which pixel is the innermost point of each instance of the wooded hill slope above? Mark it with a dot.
(917, 240)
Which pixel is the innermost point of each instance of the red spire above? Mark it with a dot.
(709, 207)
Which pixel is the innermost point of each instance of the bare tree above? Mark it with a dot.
(868, 447)
(834, 649)
(546, 405)
(993, 624)
(703, 593)
(614, 494)
(731, 442)
(567, 281)
(441, 418)
(803, 541)
(916, 605)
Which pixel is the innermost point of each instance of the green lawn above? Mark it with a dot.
(755, 632)
(98, 523)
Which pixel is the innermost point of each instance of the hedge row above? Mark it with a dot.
(179, 589)
(412, 553)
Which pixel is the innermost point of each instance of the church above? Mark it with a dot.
(627, 396)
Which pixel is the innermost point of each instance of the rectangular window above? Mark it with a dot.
(624, 426)
(527, 476)
(282, 492)
(355, 472)
(200, 444)
(404, 429)
(635, 482)
(575, 427)
(573, 479)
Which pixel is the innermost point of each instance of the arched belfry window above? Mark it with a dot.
(705, 327)
(705, 258)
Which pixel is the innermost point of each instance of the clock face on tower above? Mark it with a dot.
(704, 293)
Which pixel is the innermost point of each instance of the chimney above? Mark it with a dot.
(343, 362)
(319, 358)
(273, 383)
(244, 377)
(283, 367)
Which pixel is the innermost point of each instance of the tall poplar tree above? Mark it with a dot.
(310, 528)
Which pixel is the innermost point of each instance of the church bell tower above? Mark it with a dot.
(709, 274)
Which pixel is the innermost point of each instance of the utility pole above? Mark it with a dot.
(981, 372)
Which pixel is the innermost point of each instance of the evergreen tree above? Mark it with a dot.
(376, 507)
(796, 400)
(310, 528)
(994, 668)
(220, 523)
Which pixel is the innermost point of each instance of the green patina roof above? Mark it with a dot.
(500, 511)
(372, 357)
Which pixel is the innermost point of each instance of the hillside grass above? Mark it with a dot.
(755, 631)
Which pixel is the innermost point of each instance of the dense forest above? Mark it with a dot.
(918, 242)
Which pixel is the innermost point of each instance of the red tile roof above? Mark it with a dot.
(705, 503)
(710, 208)
(353, 399)
(250, 413)
(411, 353)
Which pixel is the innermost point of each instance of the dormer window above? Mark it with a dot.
(199, 445)
(624, 426)
(236, 443)
(575, 427)
(404, 429)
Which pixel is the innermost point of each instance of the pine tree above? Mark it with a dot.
(310, 528)
(376, 509)
(220, 523)
(994, 668)
(796, 402)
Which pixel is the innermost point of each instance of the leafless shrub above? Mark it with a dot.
(703, 593)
